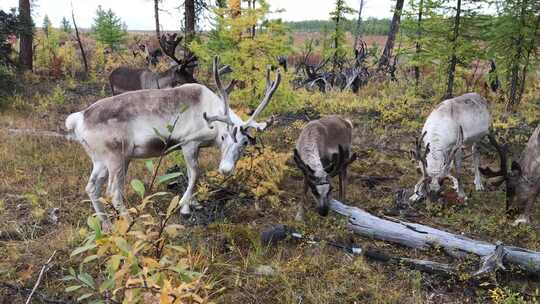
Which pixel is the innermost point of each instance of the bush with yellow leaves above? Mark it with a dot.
(258, 174)
(137, 262)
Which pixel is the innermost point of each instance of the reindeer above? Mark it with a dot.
(124, 79)
(461, 120)
(118, 129)
(523, 179)
(323, 150)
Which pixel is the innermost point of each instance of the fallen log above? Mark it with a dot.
(423, 237)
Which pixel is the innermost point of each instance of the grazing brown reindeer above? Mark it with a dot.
(322, 152)
(124, 79)
(118, 129)
(523, 179)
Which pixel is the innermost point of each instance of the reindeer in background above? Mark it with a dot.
(461, 120)
(523, 178)
(118, 129)
(323, 150)
(124, 79)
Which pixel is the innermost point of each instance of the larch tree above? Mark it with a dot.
(453, 56)
(337, 50)
(515, 38)
(190, 20)
(248, 56)
(235, 6)
(358, 28)
(156, 17)
(26, 35)
(65, 25)
(384, 61)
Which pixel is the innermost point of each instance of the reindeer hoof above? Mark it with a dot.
(185, 210)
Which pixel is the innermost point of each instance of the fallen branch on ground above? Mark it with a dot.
(423, 237)
(41, 273)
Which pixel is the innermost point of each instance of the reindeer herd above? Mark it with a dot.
(153, 116)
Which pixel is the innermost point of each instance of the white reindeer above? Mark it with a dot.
(117, 129)
(461, 120)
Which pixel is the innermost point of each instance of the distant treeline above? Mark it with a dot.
(370, 26)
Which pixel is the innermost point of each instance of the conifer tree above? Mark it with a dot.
(65, 25)
(108, 28)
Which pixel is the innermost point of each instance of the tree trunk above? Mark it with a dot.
(453, 58)
(424, 237)
(335, 59)
(156, 16)
(514, 71)
(252, 6)
(189, 8)
(530, 50)
(418, 45)
(384, 61)
(80, 43)
(358, 35)
(25, 52)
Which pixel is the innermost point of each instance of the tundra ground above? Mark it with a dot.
(41, 173)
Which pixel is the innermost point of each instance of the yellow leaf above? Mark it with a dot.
(164, 297)
(121, 226)
(172, 229)
(150, 262)
(172, 206)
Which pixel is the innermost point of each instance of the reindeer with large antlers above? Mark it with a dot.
(124, 79)
(323, 150)
(118, 129)
(523, 179)
(461, 120)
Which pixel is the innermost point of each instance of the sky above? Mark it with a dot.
(139, 14)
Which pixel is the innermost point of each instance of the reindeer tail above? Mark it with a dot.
(73, 124)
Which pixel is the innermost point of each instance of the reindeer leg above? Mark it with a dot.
(458, 160)
(300, 213)
(342, 183)
(476, 163)
(117, 167)
(93, 189)
(191, 156)
(525, 217)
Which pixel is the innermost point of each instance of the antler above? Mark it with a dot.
(418, 155)
(224, 94)
(169, 43)
(301, 165)
(340, 161)
(503, 155)
(271, 87)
